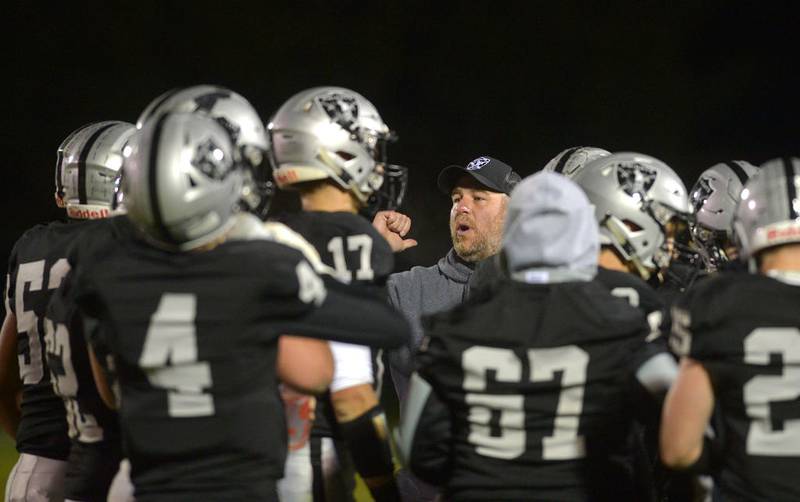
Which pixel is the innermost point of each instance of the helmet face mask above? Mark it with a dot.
(242, 123)
(335, 133)
(714, 197)
(88, 168)
(392, 190)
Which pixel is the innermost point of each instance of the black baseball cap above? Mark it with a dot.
(495, 174)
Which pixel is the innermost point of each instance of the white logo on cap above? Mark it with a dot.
(477, 163)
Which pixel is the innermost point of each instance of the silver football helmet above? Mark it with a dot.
(88, 167)
(568, 162)
(181, 182)
(714, 197)
(242, 122)
(335, 133)
(636, 198)
(768, 213)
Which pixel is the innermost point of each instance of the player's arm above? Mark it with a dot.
(101, 380)
(305, 364)
(685, 417)
(361, 420)
(10, 385)
(424, 438)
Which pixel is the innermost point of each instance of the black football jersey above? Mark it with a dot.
(537, 379)
(92, 426)
(359, 255)
(638, 293)
(347, 243)
(745, 330)
(89, 420)
(192, 339)
(37, 265)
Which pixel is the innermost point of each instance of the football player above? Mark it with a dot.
(93, 428)
(714, 197)
(329, 145)
(190, 322)
(524, 394)
(738, 335)
(88, 163)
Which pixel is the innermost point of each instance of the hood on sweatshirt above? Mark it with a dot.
(550, 232)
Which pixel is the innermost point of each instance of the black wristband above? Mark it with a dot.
(368, 439)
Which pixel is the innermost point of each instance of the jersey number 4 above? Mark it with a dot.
(564, 443)
(763, 394)
(169, 357)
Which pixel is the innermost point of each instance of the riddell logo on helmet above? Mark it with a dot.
(286, 177)
(80, 213)
(775, 234)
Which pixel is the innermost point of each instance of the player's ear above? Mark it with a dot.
(59, 200)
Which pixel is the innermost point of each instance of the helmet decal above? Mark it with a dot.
(206, 102)
(342, 109)
(210, 160)
(634, 178)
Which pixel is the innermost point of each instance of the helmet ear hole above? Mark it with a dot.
(633, 227)
(344, 155)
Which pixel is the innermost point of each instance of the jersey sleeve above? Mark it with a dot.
(339, 312)
(11, 281)
(353, 365)
(697, 320)
(282, 234)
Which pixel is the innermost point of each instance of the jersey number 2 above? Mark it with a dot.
(762, 390)
(564, 443)
(169, 357)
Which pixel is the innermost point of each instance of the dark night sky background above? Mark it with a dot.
(691, 84)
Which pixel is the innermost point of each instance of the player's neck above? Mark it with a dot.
(785, 258)
(327, 198)
(610, 260)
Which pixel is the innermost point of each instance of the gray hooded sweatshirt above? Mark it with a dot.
(419, 292)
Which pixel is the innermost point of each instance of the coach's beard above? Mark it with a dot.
(476, 245)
